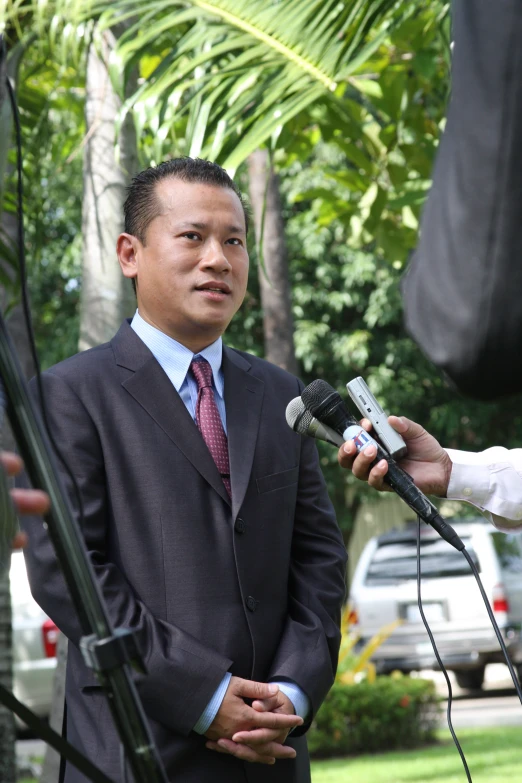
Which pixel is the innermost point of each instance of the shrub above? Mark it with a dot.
(392, 712)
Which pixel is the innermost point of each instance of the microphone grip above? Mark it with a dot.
(403, 486)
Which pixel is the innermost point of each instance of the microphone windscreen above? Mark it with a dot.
(298, 417)
(316, 393)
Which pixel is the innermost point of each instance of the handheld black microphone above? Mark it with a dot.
(299, 418)
(325, 404)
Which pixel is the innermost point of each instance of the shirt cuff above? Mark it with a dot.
(299, 699)
(210, 711)
(491, 480)
(469, 479)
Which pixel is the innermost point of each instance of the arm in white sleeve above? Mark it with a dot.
(491, 480)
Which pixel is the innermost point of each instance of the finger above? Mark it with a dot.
(12, 463)
(268, 705)
(270, 750)
(358, 463)
(274, 750)
(346, 455)
(245, 753)
(377, 474)
(255, 690)
(408, 429)
(30, 501)
(274, 720)
(362, 464)
(257, 736)
(19, 541)
(366, 424)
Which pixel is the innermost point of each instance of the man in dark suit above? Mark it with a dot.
(206, 517)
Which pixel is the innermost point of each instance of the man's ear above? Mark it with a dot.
(127, 248)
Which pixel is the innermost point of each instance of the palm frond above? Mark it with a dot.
(248, 66)
(276, 60)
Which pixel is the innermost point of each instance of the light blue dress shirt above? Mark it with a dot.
(175, 360)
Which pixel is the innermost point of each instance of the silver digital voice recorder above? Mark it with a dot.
(370, 409)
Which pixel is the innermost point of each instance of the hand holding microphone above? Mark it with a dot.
(427, 462)
(327, 408)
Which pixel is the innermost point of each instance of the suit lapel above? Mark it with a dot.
(151, 388)
(243, 401)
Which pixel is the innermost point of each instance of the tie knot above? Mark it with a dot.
(202, 372)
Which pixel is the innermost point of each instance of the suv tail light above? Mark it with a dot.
(353, 617)
(50, 638)
(500, 602)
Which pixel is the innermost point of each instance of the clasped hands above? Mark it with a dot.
(253, 733)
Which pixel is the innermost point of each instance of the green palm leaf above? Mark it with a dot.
(208, 51)
(300, 51)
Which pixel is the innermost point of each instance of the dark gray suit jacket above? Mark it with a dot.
(463, 291)
(254, 587)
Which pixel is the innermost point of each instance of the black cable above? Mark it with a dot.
(25, 295)
(494, 624)
(437, 656)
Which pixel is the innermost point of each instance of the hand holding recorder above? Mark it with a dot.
(320, 409)
(426, 461)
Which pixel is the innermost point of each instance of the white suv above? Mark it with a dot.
(384, 589)
(34, 644)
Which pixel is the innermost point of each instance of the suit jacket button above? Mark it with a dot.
(251, 603)
(240, 526)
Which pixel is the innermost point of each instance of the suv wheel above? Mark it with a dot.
(470, 679)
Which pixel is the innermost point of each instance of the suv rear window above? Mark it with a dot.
(395, 561)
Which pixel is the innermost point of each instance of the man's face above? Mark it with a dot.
(192, 271)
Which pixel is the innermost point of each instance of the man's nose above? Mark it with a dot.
(215, 258)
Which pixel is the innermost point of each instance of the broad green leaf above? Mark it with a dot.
(367, 87)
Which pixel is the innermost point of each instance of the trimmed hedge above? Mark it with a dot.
(390, 713)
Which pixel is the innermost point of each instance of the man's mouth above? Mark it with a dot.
(218, 288)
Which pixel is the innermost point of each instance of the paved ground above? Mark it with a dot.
(496, 705)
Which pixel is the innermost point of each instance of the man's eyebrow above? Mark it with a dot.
(194, 224)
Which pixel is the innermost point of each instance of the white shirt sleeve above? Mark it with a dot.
(491, 480)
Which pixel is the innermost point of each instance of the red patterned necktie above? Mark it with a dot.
(209, 421)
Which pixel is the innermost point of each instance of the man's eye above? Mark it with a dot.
(191, 235)
(234, 241)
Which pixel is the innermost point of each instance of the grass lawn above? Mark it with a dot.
(493, 756)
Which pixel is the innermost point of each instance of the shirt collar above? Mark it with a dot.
(174, 357)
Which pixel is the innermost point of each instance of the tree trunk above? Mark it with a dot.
(278, 324)
(106, 297)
